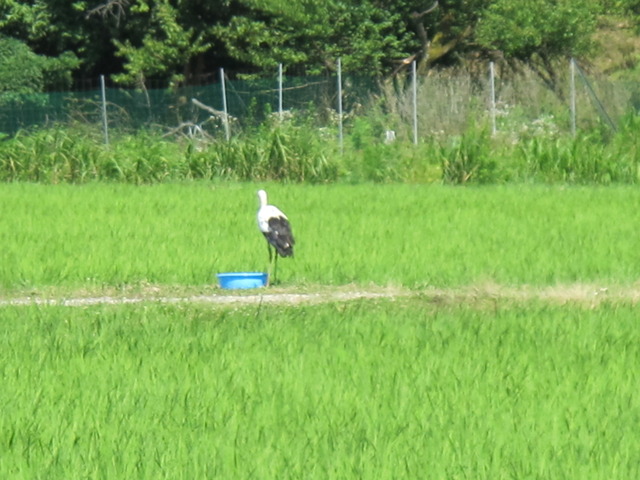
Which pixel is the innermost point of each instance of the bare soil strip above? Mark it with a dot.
(585, 294)
(274, 298)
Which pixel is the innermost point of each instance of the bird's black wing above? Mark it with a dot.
(280, 236)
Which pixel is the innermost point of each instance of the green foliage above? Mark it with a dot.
(45, 33)
(284, 152)
(287, 153)
(468, 158)
(311, 36)
(62, 155)
(295, 151)
(368, 157)
(588, 158)
(579, 160)
(521, 28)
(30, 20)
(49, 156)
(623, 7)
(22, 72)
(173, 41)
(145, 158)
(164, 47)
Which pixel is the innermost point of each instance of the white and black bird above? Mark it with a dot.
(275, 227)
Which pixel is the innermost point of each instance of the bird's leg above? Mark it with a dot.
(275, 268)
(269, 269)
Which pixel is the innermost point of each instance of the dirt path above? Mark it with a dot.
(219, 299)
(586, 294)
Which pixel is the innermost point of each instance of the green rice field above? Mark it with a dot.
(362, 389)
(466, 368)
(97, 235)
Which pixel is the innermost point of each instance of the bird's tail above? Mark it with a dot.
(285, 250)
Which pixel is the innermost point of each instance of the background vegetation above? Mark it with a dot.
(139, 40)
(297, 151)
(175, 44)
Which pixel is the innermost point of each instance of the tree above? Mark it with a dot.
(444, 30)
(24, 72)
(57, 30)
(138, 40)
(538, 32)
(310, 36)
(165, 47)
(21, 70)
(370, 36)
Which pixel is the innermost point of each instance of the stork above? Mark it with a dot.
(275, 227)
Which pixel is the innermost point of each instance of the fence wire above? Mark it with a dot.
(444, 103)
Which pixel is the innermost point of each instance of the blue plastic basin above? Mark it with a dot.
(233, 280)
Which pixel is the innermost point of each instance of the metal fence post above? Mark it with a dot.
(492, 83)
(224, 106)
(105, 123)
(572, 82)
(280, 91)
(414, 76)
(340, 135)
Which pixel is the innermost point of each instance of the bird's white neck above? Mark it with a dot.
(262, 195)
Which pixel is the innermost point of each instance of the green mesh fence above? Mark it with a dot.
(445, 103)
(248, 103)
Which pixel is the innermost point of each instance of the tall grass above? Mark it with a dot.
(57, 155)
(367, 390)
(283, 153)
(113, 235)
(296, 151)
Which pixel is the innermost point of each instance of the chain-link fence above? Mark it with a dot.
(439, 103)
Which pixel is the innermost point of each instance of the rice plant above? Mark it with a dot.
(110, 235)
(369, 389)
